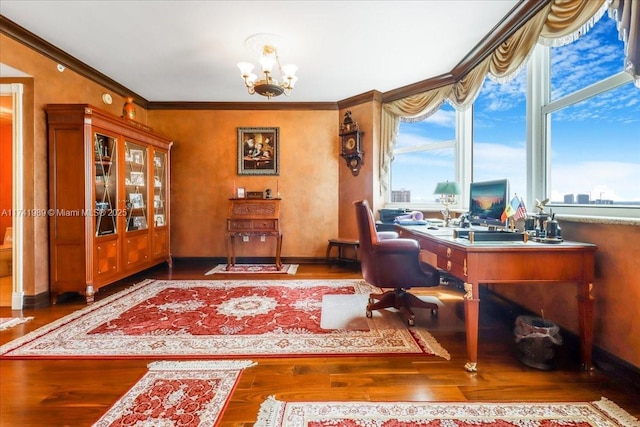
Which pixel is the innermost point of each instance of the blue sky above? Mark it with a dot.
(595, 144)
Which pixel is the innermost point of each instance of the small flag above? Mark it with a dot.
(512, 207)
(521, 210)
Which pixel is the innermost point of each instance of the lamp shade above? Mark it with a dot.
(447, 188)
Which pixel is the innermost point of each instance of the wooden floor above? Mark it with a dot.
(76, 393)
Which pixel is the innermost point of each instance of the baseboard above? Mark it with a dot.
(603, 360)
(36, 301)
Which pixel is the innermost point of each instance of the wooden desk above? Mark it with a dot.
(511, 263)
(253, 217)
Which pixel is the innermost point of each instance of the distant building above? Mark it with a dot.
(569, 199)
(401, 196)
(583, 199)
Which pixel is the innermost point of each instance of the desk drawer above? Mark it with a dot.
(265, 224)
(452, 261)
(239, 225)
(252, 225)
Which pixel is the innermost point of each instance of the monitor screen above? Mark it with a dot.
(488, 201)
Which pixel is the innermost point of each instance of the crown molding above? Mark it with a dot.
(273, 106)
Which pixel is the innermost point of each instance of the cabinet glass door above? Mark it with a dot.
(159, 188)
(105, 158)
(135, 180)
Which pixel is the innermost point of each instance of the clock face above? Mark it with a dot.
(350, 144)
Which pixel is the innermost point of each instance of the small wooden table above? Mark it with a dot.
(253, 217)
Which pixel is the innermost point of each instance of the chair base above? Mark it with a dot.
(401, 300)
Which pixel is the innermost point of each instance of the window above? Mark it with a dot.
(593, 121)
(576, 141)
(424, 155)
(499, 133)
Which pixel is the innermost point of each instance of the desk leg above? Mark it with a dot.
(585, 316)
(231, 251)
(471, 304)
(278, 251)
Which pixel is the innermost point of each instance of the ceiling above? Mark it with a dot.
(187, 51)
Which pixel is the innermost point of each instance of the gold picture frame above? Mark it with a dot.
(259, 151)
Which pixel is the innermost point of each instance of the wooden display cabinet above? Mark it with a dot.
(108, 198)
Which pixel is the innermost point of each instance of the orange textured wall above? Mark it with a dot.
(6, 179)
(359, 187)
(204, 171)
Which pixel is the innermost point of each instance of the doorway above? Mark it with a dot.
(11, 201)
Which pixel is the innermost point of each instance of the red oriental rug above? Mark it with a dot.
(604, 412)
(193, 393)
(224, 318)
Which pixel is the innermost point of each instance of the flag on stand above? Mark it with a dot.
(511, 207)
(521, 210)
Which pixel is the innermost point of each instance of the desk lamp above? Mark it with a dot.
(448, 192)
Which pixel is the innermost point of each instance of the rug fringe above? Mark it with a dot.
(269, 413)
(430, 344)
(616, 412)
(14, 322)
(200, 365)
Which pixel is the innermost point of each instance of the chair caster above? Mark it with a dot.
(369, 314)
(411, 322)
(371, 300)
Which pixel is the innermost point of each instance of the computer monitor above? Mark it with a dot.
(488, 201)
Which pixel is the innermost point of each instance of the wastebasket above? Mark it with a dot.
(537, 339)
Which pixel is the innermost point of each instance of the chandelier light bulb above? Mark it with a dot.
(267, 63)
(289, 70)
(245, 68)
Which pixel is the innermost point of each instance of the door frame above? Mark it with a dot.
(16, 90)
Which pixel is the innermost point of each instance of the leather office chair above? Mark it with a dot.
(392, 263)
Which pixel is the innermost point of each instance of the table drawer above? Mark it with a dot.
(252, 225)
(458, 269)
(265, 224)
(239, 225)
(449, 253)
(452, 261)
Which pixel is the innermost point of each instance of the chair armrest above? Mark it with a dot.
(386, 235)
(397, 246)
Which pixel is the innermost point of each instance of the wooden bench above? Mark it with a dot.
(341, 244)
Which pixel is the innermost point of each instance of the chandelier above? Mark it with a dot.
(265, 84)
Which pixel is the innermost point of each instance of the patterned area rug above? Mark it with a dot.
(9, 322)
(274, 413)
(193, 393)
(253, 268)
(221, 318)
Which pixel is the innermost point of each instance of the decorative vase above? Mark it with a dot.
(129, 109)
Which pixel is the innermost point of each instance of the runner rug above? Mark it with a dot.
(223, 318)
(274, 413)
(193, 393)
(9, 322)
(253, 268)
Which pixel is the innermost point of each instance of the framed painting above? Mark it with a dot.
(258, 151)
